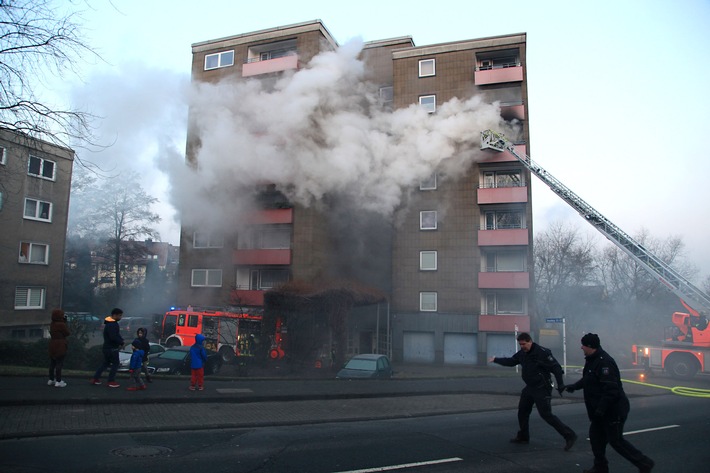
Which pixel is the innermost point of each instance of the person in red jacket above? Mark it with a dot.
(58, 332)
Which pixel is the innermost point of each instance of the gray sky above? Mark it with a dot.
(616, 91)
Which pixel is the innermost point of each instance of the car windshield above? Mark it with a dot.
(364, 365)
(173, 355)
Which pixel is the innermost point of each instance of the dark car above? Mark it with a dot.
(177, 361)
(366, 367)
(91, 322)
(124, 356)
(129, 326)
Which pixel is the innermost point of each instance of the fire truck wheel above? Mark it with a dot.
(681, 366)
(227, 354)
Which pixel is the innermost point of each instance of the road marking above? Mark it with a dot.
(233, 390)
(651, 430)
(404, 465)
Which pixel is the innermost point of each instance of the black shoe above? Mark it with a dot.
(569, 441)
(597, 469)
(520, 440)
(647, 467)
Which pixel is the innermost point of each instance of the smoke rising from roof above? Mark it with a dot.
(316, 132)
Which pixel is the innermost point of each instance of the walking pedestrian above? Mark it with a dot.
(198, 358)
(144, 344)
(538, 364)
(607, 407)
(134, 367)
(58, 333)
(113, 342)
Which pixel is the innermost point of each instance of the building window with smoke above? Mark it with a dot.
(33, 253)
(29, 298)
(42, 168)
(206, 278)
(223, 59)
(38, 210)
(207, 240)
(427, 67)
(428, 103)
(508, 178)
(427, 301)
(428, 184)
(504, 303)
(427, 220)
(427, 260)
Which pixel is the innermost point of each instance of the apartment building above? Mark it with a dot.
(35, 179)
(454, 261)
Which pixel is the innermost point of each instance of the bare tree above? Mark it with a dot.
(116, 211)
(39, 39)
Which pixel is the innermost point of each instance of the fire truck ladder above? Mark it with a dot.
(697, 299)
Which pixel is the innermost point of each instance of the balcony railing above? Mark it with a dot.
(504, 280)
(270, 65)
(503, 237)
(497, 74)
(504, 323)
(502, 195)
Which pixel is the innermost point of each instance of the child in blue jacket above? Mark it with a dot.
(135, 367)
(198, 358)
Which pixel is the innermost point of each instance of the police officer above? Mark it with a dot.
(607, 407)
(538, 363)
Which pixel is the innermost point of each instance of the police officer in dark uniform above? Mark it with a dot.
(538, 363)
(607, 407)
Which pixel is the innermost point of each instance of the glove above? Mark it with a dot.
(569, 389)
(561, 389)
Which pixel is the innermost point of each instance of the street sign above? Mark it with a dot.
(555, 320)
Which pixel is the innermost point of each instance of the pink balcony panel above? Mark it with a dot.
(270, 65)
(502, 195)
(248, 297)
(511, 112)
(504, 280)
(503, 323)
(513, 236)
(505, 156)
(280, 257)
(269, 216)
(497, 76)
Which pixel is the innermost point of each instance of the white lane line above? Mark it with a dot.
(651, 430)
(404, 465)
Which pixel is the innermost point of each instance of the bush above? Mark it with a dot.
(36, 354)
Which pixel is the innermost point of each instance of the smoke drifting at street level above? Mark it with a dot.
(315, 132)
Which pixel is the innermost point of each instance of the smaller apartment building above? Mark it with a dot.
(35, 180)
(456, 268)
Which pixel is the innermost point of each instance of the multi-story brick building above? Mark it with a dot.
(35, 179)
(455, 266)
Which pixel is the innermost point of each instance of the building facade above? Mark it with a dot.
(35, 180)
(456, 259)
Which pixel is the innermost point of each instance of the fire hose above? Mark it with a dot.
(679, 390)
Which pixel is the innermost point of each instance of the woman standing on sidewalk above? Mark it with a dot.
(58, 332)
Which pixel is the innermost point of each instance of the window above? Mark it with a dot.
(428, 103)
(498, 59)
(207, 240)
(427, 67)
(508, 178)
(499, 303)
(34, 253)
(3, 159)
(38, 210)
(29, 297)
(427, 301)
(501, 220)
(428, 184)
(265, 237)
(193, 320)
(427, 260)
(264, 52)
(386, 95)
(501, 261)
(223, 59)
(41, 168)
(207, 278)
(267, 278)
(427, 220)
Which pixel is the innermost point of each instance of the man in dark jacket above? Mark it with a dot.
(113, 342)
(607, 407)
(538, 363)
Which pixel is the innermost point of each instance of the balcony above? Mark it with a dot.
(504, 323)
(269, 216)
(248, 297)
(268, 66)
(502, 195)
(503, 237)
(512, 111)
(505, 156)
(498, 75)
(504, 280)
(262, 257)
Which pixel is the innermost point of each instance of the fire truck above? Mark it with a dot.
(686, 350)
(230, 334)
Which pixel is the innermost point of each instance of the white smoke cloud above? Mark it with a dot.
(318, 132)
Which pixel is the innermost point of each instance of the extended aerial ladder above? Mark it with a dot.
(692, 298)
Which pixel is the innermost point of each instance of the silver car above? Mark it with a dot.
(124, 356)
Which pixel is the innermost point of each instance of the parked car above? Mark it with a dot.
(366, 366)
(177, 361)
(124, 356)
(129, 325)
(91, 322)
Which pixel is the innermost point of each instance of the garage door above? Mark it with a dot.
(502, 345)
(460, 348)
(419, 347)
